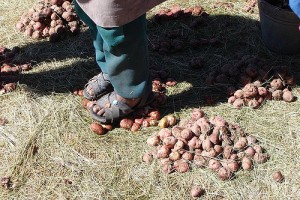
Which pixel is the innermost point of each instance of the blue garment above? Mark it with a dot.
(122, 54)
(295, 6)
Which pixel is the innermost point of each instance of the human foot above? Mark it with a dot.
(112, 107)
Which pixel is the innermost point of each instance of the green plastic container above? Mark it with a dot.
(279, 28)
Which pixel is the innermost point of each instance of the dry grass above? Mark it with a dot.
(50, 153)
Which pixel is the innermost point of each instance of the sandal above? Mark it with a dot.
(114, 110)
(100, 85)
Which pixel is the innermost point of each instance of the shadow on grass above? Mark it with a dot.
(236, 36)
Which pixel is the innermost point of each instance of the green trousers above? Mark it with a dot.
(122, 53)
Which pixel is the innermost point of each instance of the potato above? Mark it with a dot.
(197, 192)
(257, 83)
(241, 143)
(36, 35)
(167, 168)
(277, 176)
(239, 94)
(227, 150)
(154, 114)
(250, 151)
(200, 161)
(250, 90)
(224, 174)
(186, 134)
(171, 120)
(97, 128)
(262, 91)
(218, 149)
(196, 129)
(187, 156)
(253, 103)
(277, 95)
(261, 158)
(276, 84)
(214, 165)
(163, 151)
(135, 127)
(233, 166)
(238, 103)
(126, 123)
(153, 141)
(163, 123)
(197, 113)
(246, 163)
(215, 137)
(181, 166)
(174, 156)
(231, 99)
(251, 140)
(147, 158)
(163, 133)
(206, 144)
(176, 130)
(288, 96)
(170, 141)
(218, 121)
(178, 145)
(194, 143)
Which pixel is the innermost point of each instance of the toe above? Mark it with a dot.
(100, 112)
(96, 108)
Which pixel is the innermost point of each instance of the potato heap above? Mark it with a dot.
(53, 19)
(142, 118)
(176, 12)
(254, 95)
(178, 40)
(198, 142)
(259, 82)
(9, 72)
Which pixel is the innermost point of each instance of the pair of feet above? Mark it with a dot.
(109, 106)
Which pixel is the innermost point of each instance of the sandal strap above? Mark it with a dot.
(114, 110)
(100, 86)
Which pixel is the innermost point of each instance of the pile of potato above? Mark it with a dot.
(176, 12)
(53, 19)
(201, 142)
(257, 82)
(178, 40)
(9, 71)
(253, 95)
(142, 118)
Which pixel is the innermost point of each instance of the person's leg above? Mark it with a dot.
(126, 55)
(97, 39)
(100, 84)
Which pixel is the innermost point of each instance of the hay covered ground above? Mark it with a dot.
(49, 151)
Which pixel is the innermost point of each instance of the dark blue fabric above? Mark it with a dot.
(295, 6)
